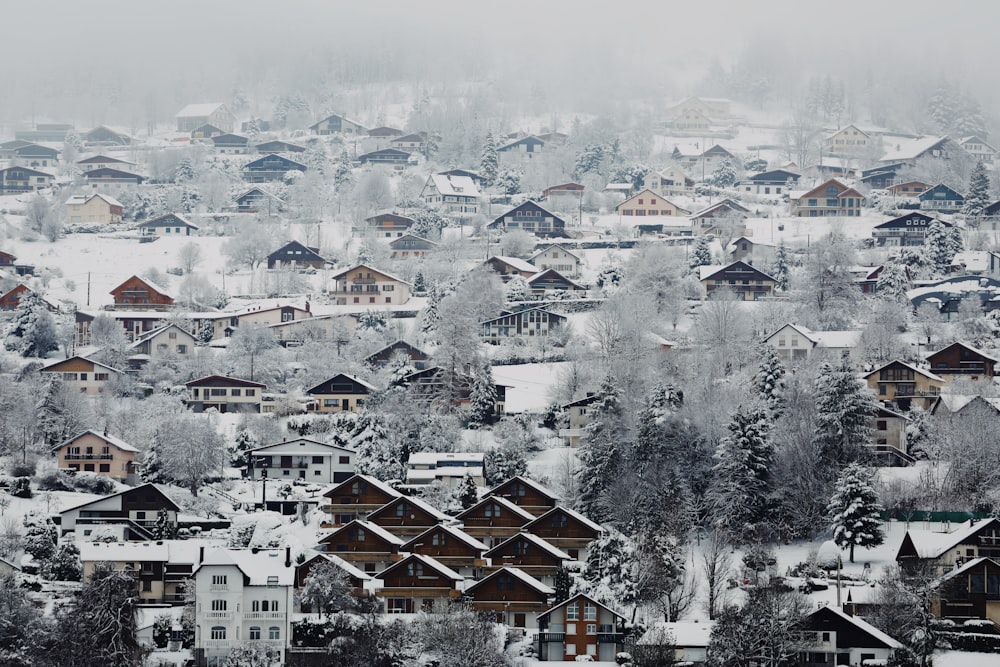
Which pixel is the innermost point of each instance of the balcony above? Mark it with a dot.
(610, 637)
(362, 281)
(217, 588)
(264, 616)
(545, 637)
(226, 644)
(89, 457)
(218, 615)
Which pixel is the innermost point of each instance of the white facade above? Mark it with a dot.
(304, 459)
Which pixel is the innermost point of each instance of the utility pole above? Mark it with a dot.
(88, 288)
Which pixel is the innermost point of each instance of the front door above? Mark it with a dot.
(345, 404)
(520, 620)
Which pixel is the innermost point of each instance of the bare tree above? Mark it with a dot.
(717, 567)
(189, 256)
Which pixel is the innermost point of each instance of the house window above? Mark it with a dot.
(439, 539)
(237, 392)
(218, 580)
(251, 392)
(571, 628)
(591, 628)
(218, 605)
(505, 582)
(415, 569)
(573, 612)
(521, 548)
(218, 632)
(255, 632)
(273, 633)
(589, 612)
(344, 460)
(881, 425)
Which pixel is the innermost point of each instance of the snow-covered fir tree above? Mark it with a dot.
(770, 380)
(489, 161)
(601, 451)
(377, 456)
(516, 289)
(892, 283)
(467, 493)
(609, 572)
(724, 175)
(429, 317)
(701, 254)
(741, 478)
(245, 441)
(978, 196)
(65, 564)
(502, 463)
(419, 283)
(589, 160)
(33, 332)
(781, 267)
(482, 401)
(939, 247)
(844, 411)
(855, 510)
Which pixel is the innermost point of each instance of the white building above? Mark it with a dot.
(305, 459)
(449, 468)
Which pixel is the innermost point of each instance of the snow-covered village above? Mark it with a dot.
(432, 336)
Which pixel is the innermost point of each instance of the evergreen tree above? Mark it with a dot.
(327, 588)
(770, 380)
(563, 585)
(939, 248)
(64, 565)
(844, 411)
(781, 269)
(701, 255)
(185, 171)
(244, 442)
(489, 162)
(482, 402)
(342, 174)
(601, 453)
(724, 175)
(855, 510)
(430, 317)
(33, 331)
(610, 569)
(467, 493)
(206, 333)
(741, 483)
(978, 197)
(516, 289)
(509, 181)
(419, 284)
(51, 411)
(162, 529)
(892, 283)
(502, 463)
(589, 160)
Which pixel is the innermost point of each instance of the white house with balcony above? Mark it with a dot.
(241, 596)
(448, 468)
(304, 459)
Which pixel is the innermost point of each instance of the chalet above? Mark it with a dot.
(579, 416)
(551, 281)
(962, 360)
(389, 225)
(454, 194)
(906, 230)
(12, 299)
(105, 162)
(361, 582)
(532, 218)
(410, 143)
(559, 258)
(923, 151)
(866, 277)
(722, 214)
(691, 120)
(465, 173)
(669, 182)
(15, 180)
(408, 516)
(449, 469)
(83, 375)
(409, 246)
(692, 158)
(969, 593)
(356, 498)
(111, 180)
(7, 259)
(384, 132)
(524, 148)
(231, 144)
(27, 154)
(271, 167)
(429, 386)
(341, 393)
(975, 263)
(908, 189)
(225, 324)
(161, 568)
(170, 224)
(531, 322)
(750, 251)
(132, 513)
(738, 278)
(277, 146)
(450, 546)
(508, 267)
(905, 385)
(141, 294)
(883, 175)
(225, 394)
(335, 124)
(98, 453)
(832, 198)
(8, 148)
(207, 131)
(574, 190)
(165, 342)
(566, 529)
(774, 182)
(648, 203)
(529, 553)
(135, 323)
(526, 494)
(978, 149)
(514, 596)
(368, 546)
(96, 208)
(363, 285)
(416, 583)
(848, 141)
(944, 551)
(833, 637)
(294, 255)
(194, 116)
(494, 519)
(794, 342)
(102, 135)
(257, 200)
(941, 198)
(389, 156)
(303, 459)
(889, 442)
(580, 626)
(399, 349)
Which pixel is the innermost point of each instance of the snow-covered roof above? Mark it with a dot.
(910, 149)
(518, 573)
(417, 502)
(344, 565)
(83, 199)
(197, 110)
(968, 347)
(441, 458)
(455, 186)
(429, 562)
(165, 221)
(571, 513)
(173, 551)
(315, 447)
(519, 264)
(922, 371)
(836, 339)
(931, 544)
(157, 331)
(682, 634)
(382, 273)
(371, 481)
(553, 246)
(537, 541)
(265, 567)
(505, 504)
(977, 261)
(527, 482)
(454, 531)
(865, 626)
(110, 439)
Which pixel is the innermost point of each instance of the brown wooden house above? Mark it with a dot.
(970, 592)
(738, 278)
(416, 583)
(579, 626)
(516, 597)
(566, 529)
(493, 520)
(12, 299)
(389, 225)
(527, 494)
(407, 516)
(940, 552)
(418, 358)
(133, 513)
(508, 267)
(369, 546)
(530, 553)
(139, 294)
(961, 360)
(356, 498)
(452, 547)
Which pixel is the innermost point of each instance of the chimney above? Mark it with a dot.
(288, 556)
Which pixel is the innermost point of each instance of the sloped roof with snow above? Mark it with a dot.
(198, 110)
(518, 573)
(931, 544)
(455, 186)
(515, 263)
(110, 439)
(911, 149)
(259, 567)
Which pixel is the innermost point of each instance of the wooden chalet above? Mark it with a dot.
(410, 143)
(416, 357)
(231, 144)
(341, 393)
(384, 132)
(334, 124)
(277, 146)
(294, 255)
(832, 198)
(943, 551)
(970, 592)
(111, 180)
(224, 394)
(356, 498)
(258, 200)
(364, 285)
(649, 203)
(104, 161)
(532, 218)
(7, 259)
(962, 360)
(509, 267)
(835, 638)
(710, 219)
(566, 529)
(453, 194)
(369, 546)
(83, 375)
(99, 453)
(29, 154)
(524, 148)
(389, 156)
(195, 115)
(206, 131)
(740, 279)
(909, 189)
(11, 299)
(941, 198)
(494, 519)
(15, 180)
(416, 583)
(389, 225)
(905, 385)
(531, 554)
(527, 494)
(531, 323)
(905, 230)
(451, 546)
(409, 246)
(574, 190)
(360, 581)
(773, 182)
(141, 294)
(407, 516)
(133, 513)
(579, 626)
(270, 168)
(551, 281)
(559, 258)
(515, 597)
(170, 224)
